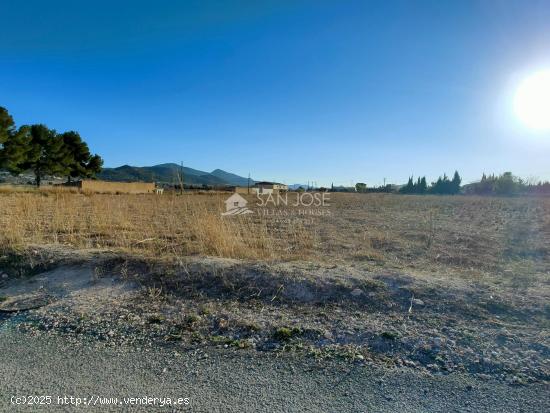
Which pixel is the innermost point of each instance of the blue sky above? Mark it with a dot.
(330, 91)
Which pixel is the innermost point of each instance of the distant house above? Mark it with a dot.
(264, 188)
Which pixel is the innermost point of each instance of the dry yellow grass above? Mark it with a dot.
(429, 233)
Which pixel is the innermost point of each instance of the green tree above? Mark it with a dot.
(76, 153)
(507, 184)
(361, 187)
(14, 152)
(422, 186)
(417, 186)
(455, 183)
(409, 188)
(77, 156)
(441, 186)
(46, 153)
(94, 166)
(7, 126)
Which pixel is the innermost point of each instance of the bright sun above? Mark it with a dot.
(532, 101)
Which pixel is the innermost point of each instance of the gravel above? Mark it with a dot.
(231, 380)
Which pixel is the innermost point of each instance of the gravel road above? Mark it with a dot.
(228, 380)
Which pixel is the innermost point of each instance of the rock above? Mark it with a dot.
(516, 381)
(417, 301)
(357, 292)
(328, 335)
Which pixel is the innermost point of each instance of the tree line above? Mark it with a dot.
(43, 151)
(443, 185)
(507, 184)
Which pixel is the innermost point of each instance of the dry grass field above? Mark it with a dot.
(474, 235)
(432, 282)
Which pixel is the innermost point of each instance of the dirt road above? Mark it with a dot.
(236, 381)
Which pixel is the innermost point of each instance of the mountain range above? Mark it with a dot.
(169, 173)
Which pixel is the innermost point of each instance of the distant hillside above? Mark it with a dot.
(168, 174)
(232, 178)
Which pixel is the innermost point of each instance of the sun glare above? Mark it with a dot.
(532, 101)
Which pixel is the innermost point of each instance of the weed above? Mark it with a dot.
(390, 335)
(285, 333)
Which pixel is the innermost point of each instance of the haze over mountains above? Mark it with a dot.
(168, 174)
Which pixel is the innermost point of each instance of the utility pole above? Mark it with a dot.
(248, 185)
(182, 179)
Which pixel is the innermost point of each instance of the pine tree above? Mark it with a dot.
(41, 150)
(46, 153)
(7, 126)
(94, 166)
(14, 152)
(77, 154)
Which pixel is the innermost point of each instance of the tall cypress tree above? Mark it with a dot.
(409, 188)
(455, 183)
(423, 186)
